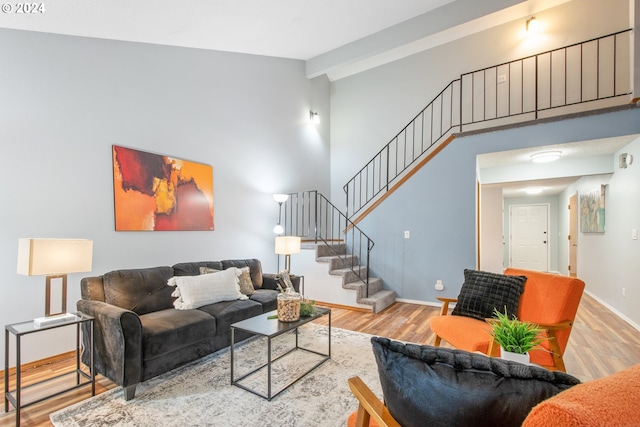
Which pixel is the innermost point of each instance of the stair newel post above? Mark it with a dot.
(315, 217)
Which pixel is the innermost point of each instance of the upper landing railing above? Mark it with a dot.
(583, 76)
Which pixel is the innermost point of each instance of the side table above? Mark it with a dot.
(19, 330)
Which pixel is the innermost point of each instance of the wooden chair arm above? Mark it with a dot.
(445, 304)
(556, 326)
(370, 406)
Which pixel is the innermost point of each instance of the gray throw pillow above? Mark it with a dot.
(435, 386)
(483, 291)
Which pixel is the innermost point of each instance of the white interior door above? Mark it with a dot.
(529, 237)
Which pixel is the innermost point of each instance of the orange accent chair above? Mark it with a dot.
(548, 300)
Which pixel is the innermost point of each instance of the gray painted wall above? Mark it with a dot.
(64, 101)
(438, 207)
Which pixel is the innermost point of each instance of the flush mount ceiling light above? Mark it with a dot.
(533, 190)
(546, 156)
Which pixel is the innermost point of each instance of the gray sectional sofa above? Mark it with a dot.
(138, 332)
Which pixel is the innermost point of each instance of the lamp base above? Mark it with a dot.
(50, 320)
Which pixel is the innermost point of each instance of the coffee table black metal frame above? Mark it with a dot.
(14, 397)
(271, 328)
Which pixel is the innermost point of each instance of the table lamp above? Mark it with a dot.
(54, 258)
(287, 245)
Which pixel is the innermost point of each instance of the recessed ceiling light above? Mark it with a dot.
(546, 156)
(534, 190)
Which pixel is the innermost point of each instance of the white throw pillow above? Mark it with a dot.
(196, 291)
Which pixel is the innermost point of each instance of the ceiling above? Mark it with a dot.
(336, 38)
(298, 29)
(550, 186)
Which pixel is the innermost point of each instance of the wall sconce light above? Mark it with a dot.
(280, 198)
(533, 26)
(546, 156)
(287, 245)
(314, 117)
(54, 258)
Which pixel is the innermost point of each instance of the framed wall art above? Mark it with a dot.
(592, 210)
(160, 193)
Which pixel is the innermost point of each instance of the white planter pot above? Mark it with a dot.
(520, 358)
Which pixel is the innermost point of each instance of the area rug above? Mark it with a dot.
(201, 394)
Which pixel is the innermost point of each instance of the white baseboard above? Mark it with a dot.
(429, 303)
(614, 311)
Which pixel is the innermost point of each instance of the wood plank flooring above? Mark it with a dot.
(600, 344)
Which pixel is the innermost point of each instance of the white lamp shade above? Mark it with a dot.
(54, 256)
(287, 245)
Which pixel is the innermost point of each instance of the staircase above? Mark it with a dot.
(339, 242)
(347, 266)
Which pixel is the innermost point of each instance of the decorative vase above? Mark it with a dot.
(288, 306)
(516, 357)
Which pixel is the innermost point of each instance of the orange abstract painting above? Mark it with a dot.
(161, 193)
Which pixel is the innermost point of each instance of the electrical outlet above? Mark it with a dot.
(502, 78)
(439, 285)
(407, 234)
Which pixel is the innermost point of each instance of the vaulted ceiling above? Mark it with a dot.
(335, 37)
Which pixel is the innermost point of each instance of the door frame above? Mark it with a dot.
(572, 257)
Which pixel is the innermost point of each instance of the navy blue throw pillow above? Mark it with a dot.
(483, 291)
(435, 386)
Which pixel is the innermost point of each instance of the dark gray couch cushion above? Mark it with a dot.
(267, 297)
(434, 386)
(483, 291)
(193, 268)
(166, 331)
(228, 312)
(142, 290)
(255, 269)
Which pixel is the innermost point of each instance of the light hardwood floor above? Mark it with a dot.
(600, 344)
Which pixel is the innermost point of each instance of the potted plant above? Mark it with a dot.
(515, 337)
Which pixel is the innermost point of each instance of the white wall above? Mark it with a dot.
(608, 262)
(67, 100)
(492, 236)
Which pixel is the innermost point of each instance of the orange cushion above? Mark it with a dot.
(465, 333)
(609, 401)
(351, 421)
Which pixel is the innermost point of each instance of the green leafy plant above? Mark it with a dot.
(514, 335)
(306, 307)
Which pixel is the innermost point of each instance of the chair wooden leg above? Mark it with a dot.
(363, 417)
(558, 361)
(436, 342)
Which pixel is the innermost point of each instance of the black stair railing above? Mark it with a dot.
(520, 90)
(312, 216)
